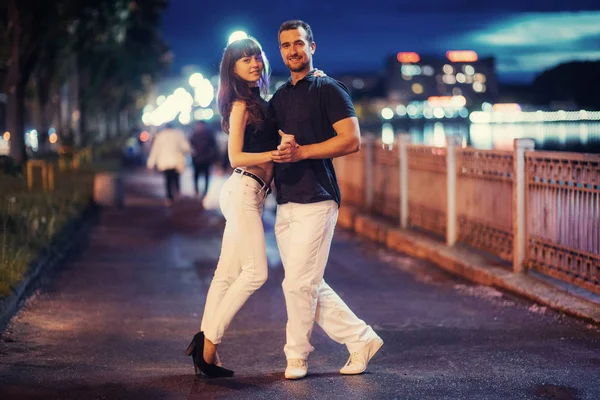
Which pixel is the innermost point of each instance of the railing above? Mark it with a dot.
(484, 200)
(352, 185)
(538, 210)
(427, 188)
(564, 216)
(386, 181)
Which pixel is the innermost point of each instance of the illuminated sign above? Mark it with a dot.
(461, 55)
(507, 107)
(408, 57)
(446, 101)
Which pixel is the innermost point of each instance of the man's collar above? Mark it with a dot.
(309, 77)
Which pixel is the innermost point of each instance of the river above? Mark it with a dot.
(581, 137)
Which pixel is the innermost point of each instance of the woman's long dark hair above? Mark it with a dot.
(232, 87)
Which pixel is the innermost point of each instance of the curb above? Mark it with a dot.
(466, 264)
(11, 304)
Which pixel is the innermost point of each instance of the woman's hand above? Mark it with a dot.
(319, 74)
(286, 140)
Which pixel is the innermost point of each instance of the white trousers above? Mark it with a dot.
(304, 233)
(242, 266)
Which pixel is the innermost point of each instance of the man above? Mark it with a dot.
(204, 154)
(319, 112)
(168, 153)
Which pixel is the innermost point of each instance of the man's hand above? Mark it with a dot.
(288, 151)
(286, 139)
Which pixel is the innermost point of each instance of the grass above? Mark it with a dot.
(31, 220)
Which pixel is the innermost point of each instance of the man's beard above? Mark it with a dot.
(299, 68)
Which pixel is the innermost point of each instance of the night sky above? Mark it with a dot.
(526, 37)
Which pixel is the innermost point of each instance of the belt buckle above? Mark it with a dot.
(266, 189)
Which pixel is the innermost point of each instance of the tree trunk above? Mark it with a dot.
(43, 97)
(15, 89)
(82, 83)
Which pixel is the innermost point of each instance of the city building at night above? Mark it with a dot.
(460, 76)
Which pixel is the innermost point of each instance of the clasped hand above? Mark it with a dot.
(288, 151)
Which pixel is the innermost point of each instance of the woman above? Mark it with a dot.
(242, 266)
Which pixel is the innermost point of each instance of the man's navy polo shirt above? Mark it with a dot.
(308, 111)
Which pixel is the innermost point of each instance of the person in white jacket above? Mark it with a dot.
(168, 153)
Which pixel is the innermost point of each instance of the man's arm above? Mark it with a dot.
(347, 141)
(339, 110)
(151, 162)
(184, 144)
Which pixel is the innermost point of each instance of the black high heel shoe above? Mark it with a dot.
(196, 350)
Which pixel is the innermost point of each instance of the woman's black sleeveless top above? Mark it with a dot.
(265, 138)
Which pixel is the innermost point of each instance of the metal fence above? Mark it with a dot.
(484, 200)
(563, 192)
(538, 210)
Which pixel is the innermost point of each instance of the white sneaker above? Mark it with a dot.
(297, 368)
(358, 361)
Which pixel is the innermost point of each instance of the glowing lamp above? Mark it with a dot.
(439, 101)
(237, 35)
(506, 107)
(408, 57)
(461, 55)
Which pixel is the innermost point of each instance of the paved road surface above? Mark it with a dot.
(113, 323)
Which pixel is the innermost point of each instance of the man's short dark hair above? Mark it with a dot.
(295, 24)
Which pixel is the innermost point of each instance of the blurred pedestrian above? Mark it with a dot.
(204, 153)
(242, 266)
(168, 153)
(325, 125)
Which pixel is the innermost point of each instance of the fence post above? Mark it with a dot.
(403, 142)
(43, 165)
(368, 182)
(29, 174)
(519, 222)
(451, 190)
(44, 177)
(50, 176)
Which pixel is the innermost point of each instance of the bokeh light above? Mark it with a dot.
(237, 35)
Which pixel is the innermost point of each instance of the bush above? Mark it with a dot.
(30, 220)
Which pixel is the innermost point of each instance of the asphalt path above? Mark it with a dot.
(114, 320)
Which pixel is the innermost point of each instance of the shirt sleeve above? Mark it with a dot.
(337, 101)
(184, 144)
(151, 163)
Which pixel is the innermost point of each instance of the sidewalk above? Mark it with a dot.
(474, 266)
(115, 319)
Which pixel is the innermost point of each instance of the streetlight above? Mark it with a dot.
(237, 35)
(195, 79)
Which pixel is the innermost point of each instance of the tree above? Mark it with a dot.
(126, 53)
(111, 46)
(28, 32)
(577, 82)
